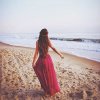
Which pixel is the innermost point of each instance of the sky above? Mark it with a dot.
(58, 16)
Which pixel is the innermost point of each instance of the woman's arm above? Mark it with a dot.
(35, 54)
(54, 49)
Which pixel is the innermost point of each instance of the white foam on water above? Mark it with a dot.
(88, 50)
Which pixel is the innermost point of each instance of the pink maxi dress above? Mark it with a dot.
(45, 72)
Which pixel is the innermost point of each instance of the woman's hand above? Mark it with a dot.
(62, 56)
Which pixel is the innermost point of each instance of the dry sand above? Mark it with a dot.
(79, 78)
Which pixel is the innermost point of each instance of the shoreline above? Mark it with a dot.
(5, 44)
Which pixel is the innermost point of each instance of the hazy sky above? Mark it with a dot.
(58, 16)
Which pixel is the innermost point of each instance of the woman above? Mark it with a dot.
(43, 65)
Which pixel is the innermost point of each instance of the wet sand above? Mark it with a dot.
(79, 78)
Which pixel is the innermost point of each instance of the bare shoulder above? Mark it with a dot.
(49, 41)
(50, 44)
(37, 43)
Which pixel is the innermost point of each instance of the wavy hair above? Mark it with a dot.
(43, 42)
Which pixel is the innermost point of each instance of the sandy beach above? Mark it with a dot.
(79, 78)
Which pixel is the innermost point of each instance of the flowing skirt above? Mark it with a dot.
(45, 72)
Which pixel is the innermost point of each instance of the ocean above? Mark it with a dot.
(85, 45)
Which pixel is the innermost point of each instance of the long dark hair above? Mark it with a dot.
(43, 42)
